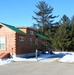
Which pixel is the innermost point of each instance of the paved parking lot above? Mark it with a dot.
(37, 68)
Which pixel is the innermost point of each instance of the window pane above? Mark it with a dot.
(21, 38)
(36, 41)
(30, 40)
(2, 47)
(31, 32)
(2, 43)
(2, 39)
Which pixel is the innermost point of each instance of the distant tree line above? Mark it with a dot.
(60, 35)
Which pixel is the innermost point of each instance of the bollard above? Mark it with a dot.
(37, 54)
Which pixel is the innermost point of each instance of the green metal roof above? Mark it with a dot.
(13, 28)
(41, 36)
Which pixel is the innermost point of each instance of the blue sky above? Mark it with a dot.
(20, 12)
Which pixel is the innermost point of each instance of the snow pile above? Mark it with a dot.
(64, 57)
(5, 61)
(24, 59)
(42, 56)
(67, 58)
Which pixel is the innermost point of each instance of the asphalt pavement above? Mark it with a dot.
(37, 68)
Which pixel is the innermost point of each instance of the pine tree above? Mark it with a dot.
(72, 20)
(44, 17)
(64, 37)
(64, 19)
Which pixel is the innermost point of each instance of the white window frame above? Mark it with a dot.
(30, 40)
(21, 38)
(2, 43)
(31, 32)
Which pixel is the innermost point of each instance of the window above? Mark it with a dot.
(2, 43)
(30, 40)
(21, 38)
(31, 32)
(36, 41)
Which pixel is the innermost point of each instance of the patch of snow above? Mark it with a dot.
(67, 58)
(42, 56)
(5, 61)
(64, 57)
(24, 59)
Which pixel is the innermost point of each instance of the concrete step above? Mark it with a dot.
(4, 55)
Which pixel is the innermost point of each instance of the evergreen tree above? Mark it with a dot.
(72, 20)
(44, 17)
(63, 37)
(64, 19)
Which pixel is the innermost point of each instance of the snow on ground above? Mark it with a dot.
(67, 58)
(41, 57)
(5, 61)
(64, 57)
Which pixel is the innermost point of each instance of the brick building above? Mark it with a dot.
(21, 41)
